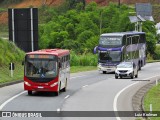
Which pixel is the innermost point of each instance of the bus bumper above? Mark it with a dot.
(35, 87)
(107, 68)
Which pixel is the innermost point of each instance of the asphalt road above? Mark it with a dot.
(87, 91)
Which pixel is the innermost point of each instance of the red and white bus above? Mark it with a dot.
(47, 70)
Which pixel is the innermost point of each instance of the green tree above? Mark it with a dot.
(151, 37)
(79, 29)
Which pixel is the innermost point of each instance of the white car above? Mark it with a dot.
(126, 69)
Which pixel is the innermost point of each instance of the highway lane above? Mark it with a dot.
(150, 72)
(89, 91)
(106, 92)
(48, 102)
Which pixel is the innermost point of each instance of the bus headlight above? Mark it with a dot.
(25, 82)
(54, 84)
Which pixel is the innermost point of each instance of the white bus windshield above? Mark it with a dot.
(110, 56)
(41, 68)
(110, 41)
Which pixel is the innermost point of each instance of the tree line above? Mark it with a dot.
(77, 26)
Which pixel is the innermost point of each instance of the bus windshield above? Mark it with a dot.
(110, 41)
(41, 68)
(110, 56)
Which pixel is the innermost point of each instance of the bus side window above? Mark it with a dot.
(64, 61)
(133, 41)
(68, 57)
(67, 64)
(124, 40)
(59, 63)
(127, 41)
(134, 65)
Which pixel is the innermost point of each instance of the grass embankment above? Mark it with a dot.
(9, 52)
(75, 69)
(153, 97)
(152, 61)
(84, 62)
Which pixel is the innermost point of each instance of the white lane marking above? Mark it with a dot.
(116, 98)
(152, 77)
(66, 96)
(78, 76)
(118, 94)
(84, 86)
(58, 110)
(9, 100)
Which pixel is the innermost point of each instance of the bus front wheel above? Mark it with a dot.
(132, 75)
(57, 93)
(64, 89)
(139, 65)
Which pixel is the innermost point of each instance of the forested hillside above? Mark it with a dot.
(4, 4)
(79, 29)
(77, 25)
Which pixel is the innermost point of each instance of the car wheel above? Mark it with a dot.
(139, 66)
(136, 76)
(104, 72)
(57, 93)
(121, 77)
(64, 89)
(116, 77)
(132, 76)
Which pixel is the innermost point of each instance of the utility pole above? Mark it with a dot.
(119, 3)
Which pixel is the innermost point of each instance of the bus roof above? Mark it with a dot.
(57, 52)
(122, 33)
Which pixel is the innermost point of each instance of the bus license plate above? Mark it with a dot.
(40, 87)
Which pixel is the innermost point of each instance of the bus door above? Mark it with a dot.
(61, 72)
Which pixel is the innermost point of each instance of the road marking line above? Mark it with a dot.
(78, 76)
(84, 86)
(66, 96)
(118, 94)
(58, 110)
(152, 77)
(116, 98)
(9, 100)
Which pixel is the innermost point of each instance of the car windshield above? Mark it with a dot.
(110, 56)
(41, 68)
(125, 65)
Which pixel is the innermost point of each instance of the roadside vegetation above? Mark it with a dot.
(77, 28)
(9, 52)
(153, 97)
(75, 69)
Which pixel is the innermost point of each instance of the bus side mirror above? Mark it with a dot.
(22, 62)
